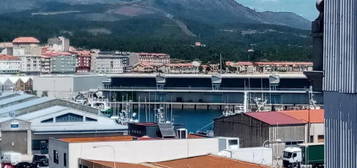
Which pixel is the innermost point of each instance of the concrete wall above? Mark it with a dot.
(254, 155)
(134, 151)
(316, 130)
(287, 133)
(61, 148)
(56, 87)
(85, 83)
(66, 87)
(15, 139)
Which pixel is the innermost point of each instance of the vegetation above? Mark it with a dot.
(152, 33)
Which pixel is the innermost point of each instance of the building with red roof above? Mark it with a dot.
(284, 127)
(9, 64)
(25, 40)
(57, 61)
(29, 51)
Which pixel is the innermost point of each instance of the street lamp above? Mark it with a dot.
(111, 147)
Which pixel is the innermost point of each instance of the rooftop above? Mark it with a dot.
(6, 45)
(312, 116)
(26, 40)
(147, 124)
(248, 63)
(8, 58)
(206, 161)
(97, 139)
(275, 118)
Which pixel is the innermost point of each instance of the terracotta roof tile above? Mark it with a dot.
(26, 40)
(8, 58)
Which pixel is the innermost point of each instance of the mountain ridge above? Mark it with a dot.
(207, 11)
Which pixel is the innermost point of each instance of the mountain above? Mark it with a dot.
(169, 26)
(206, 11)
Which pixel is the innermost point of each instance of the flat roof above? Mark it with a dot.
(97, 139)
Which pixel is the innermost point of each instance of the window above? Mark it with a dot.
(90, 119)
(14, 125)
(233, 142)
(311, 138)
(65, 159)
(294, 155)
(70, 117)
(47, 121)
(321, 138)
(55, 156)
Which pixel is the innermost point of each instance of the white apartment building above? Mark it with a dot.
(9, 64)
(109, 64)
(29, 52)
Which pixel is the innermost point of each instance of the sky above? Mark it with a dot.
(305, 8)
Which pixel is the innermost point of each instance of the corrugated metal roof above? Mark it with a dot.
(15, 99)
(23, 105)
(275, 118)
(43, 112)
(4, 95)
(314, 116)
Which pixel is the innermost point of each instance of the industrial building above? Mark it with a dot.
(211, 91)
(276, 129)
(66, 86)
(27, 122)
(339, 82)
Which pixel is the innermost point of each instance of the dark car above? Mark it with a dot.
(40, 160)
(25, 165)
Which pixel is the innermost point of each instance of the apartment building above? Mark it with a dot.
(29, 52)
(9, 64)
